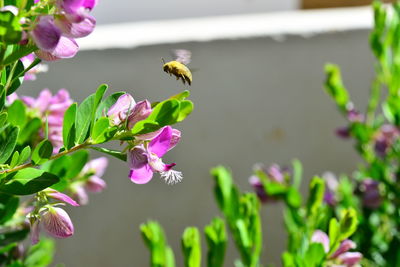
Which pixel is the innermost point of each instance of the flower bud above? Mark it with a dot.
(57, 223)
(322, 238)
(95, 184)
(119, 111)
(35, 230)
(139, 112)
(345, 246)
(80, 195)
(350, 258)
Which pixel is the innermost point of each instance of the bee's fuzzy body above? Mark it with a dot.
(179, 70)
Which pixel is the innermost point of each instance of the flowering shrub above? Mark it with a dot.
(347, 221)
(45, 141)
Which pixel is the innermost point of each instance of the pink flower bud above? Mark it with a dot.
(57, 223)
(95, 184)
(35, 230)
(350, 258)
(118, 112)
(345, 246)
(322, 238)
(80, 195)
(139, 112)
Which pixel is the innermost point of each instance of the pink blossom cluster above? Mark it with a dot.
(145, 156)
(50, 108)
(55, 34)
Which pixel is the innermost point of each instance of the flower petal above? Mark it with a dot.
(320, 237)
(95, 184)
(162, 142)
(66, 48)
(57, 223)
(76, 30)
(140, 170)
(62, 197)
(46, 34)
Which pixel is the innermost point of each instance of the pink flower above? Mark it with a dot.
(145, 160)
(35, 231)
(60, 196)
(53, 108)
(46, 34)
(127, 109)
(79, 194)
(95, 168)
(57, 223)
(341, 255)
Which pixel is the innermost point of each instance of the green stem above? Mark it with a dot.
(373, 101)
(30, 164)
(9, 78)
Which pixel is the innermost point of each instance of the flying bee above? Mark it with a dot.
(177, 67)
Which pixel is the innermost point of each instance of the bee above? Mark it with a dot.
(178, 66)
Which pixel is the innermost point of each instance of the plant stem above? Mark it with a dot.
(30, 164)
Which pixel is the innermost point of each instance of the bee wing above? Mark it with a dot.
(182, 55)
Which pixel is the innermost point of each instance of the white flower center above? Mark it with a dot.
(172, 177)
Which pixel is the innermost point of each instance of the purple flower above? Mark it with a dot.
(273, 173)
(57, 223)
(369, 190)
(77, 10)
(259, 189)
(76, 30)
(355, 116)
(139, 112)
(343, 132)
(46, 34)
(385, 138)
(79, 194)
(341, 256)
(331, 185)
(145, 160)
(66, 48)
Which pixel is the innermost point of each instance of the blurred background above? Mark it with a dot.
(258, 98)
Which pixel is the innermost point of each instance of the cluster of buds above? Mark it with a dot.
(274, 174)
(385, 138)
(353, 116)
(370, 195)
(50, 108)
(54, 34)
(146, 151)
(342, 256)
(89, 180)
(55, 220)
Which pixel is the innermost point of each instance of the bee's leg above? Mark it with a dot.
(183, 78)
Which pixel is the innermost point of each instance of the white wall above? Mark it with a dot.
(125, 10)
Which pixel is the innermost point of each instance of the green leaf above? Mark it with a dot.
(145, 126)
(191, 247)
(186, 107)
(154, 237)
(21, 52)
(42, 152)
(334, 232)
(293, 197)
(41, 254)
(181, 96)
(8, 206)
(107, 103)
(101, 90)
(10, 28)
(78, 160)
(30, 129)
(114, 153)
(315, 199)
(27, 181)
(348, 223)
(3, 119)
(217, 239)
(102, 131)
(17, 77)
(166, 112)
(25, 154)
(7, 147)
(14, 159)
(83, 119)
(297, 173)
(13, 236)
(334, 86)
(69, 126)
(17, 114)
(315, 255)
